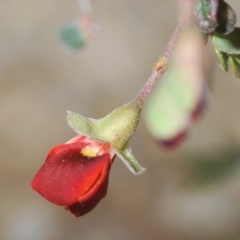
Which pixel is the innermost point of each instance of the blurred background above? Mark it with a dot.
(190, 193)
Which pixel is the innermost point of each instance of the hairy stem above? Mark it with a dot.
(160, 66)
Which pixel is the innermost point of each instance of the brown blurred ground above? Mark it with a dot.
(40, 80)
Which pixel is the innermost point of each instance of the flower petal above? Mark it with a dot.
(68, 177)
(84, 206)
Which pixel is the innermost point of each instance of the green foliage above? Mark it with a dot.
(227, 48)
(73, 36)
(235, 62)
(223, 59)
(208, 168)
(177, 101)
(217, 19)
(229, 44)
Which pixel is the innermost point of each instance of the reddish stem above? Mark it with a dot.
(160, 66)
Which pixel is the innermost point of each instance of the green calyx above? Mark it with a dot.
(116, 128)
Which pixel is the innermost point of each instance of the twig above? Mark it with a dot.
(160, 66)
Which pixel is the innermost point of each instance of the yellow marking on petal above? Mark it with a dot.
(89, 152)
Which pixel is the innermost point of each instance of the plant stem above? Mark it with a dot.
(160, 66)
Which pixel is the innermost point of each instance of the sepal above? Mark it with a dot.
(129, 160)
(116, 128)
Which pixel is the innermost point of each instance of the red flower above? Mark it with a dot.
(75, 174)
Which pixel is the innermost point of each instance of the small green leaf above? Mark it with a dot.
(73, 36)
(235, 63)
(233, 59)
(223, 59)
(207, 15)
(171, 107)
(227, 48)
(226, 18)
(229, 44)
(178, 99)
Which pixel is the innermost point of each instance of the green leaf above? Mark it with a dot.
(223, 59)
(206, 13)
(73, 36)
(233, 59)
(171, 106)
(226, 18)
(235, 63)
(227, 48)
(177, 101)
(229, 44)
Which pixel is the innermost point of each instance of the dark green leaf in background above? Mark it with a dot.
(210, 168)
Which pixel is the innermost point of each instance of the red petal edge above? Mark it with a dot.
(84, 206)
(68, 178)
